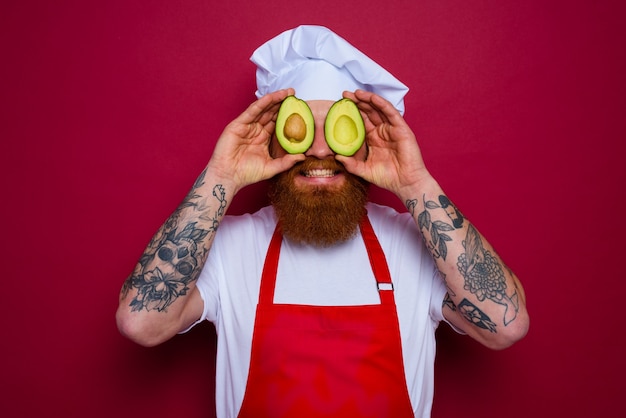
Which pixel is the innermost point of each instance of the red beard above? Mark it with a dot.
(318, 215)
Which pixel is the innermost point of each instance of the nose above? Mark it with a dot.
(319, 149)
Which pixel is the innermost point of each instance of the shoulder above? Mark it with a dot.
(261, 222)
(243, 233)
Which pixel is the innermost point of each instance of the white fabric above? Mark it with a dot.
(320, 65)
(229, 286)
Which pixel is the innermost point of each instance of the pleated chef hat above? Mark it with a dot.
(320, 65)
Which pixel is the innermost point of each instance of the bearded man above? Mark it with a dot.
(325, 305)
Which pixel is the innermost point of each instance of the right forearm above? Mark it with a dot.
(159, 298)
(156, 291)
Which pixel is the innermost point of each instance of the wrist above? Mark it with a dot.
(418, 190)
(217, 176)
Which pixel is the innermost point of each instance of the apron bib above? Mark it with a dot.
(326, 361)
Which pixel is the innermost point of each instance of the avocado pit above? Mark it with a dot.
(295, 128)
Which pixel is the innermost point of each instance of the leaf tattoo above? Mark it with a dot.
(437, 229)
(410, 205)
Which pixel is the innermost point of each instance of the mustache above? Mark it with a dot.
(312, 163)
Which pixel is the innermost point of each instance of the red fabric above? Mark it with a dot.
(306, 359)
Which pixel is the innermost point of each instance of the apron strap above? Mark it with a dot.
(270, 268)
(378, 262)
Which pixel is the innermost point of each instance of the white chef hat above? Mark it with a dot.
(320, 65)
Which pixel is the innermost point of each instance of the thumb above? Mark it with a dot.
(284, 163)
(352, 165)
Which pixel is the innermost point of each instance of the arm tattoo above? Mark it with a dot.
(477, 317)
(174, 257)
(447, 301)
(438, 238)
(410, 205)
(484, 276)
(470, 312)
(481, 270)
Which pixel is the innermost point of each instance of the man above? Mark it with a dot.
(324, 305)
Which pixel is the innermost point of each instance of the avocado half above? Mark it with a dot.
(295, 127)
(344, 128)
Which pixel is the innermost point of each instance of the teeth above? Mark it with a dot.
(319, 173)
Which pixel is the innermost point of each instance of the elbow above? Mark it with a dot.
(513, 333)
(132, 327)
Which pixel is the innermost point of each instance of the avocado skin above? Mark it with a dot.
(289, 106)
(344, 128)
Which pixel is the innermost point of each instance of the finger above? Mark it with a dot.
(350, 95)
(284, 163)
(271, 113)
(372, 118)
(269, 128)
(363, 100)
(352, 165)
(268, 104)
(382, 106)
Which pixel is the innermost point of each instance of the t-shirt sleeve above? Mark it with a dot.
(208, 293)
(239, 238)
(438, 294)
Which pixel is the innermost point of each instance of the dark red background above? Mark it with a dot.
(111, 108)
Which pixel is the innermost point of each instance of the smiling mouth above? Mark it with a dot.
(320, 172)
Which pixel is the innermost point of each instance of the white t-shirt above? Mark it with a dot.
(339, 275)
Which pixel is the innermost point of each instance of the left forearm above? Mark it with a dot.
(485, 298)
(483, 293)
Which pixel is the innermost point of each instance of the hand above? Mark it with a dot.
(394, 161)
(241, 156)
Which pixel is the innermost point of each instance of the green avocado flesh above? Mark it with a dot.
(295, 125)
(344, 128)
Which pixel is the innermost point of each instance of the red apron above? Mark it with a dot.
(327, 361)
